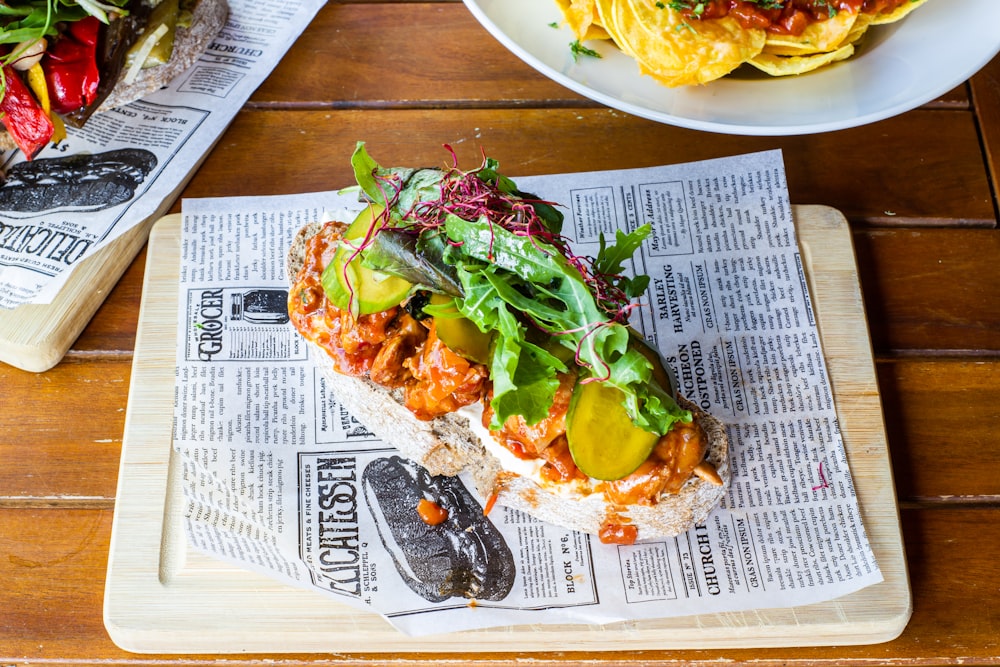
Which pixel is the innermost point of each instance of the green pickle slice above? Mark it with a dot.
(351, 286)
(603, 441)
(166, 14)
(461, 334)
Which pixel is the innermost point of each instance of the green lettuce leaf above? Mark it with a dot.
(512, 284)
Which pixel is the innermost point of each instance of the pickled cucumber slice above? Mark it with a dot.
(459, 333)
(163, 14)
(603, 441)
(356, 288)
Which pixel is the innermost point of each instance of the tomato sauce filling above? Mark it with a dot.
(788, 17)
(396, 351)
(390, 347)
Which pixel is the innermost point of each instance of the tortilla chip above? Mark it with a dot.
(790, 65)
(818, 37)
(674, 51)
(897, 13)
(858, 30)
(596, 32)
(580, 16)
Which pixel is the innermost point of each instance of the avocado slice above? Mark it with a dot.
(459, 333)
(353, 287)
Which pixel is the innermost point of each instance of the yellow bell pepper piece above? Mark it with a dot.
(36, 81)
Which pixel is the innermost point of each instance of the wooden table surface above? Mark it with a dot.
(920, 191)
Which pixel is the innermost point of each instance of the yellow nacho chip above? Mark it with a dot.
(897, 13)
(595, 31)
(674, 51)
(581, 17)
(790, 65)
(818, 37)
(859, 29)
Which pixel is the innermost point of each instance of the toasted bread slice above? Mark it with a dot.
(208, 19)
(672, 514)
(451, 444)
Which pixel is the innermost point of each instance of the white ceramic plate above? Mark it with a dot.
(900, 66)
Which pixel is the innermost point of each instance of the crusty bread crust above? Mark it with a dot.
(448, 445)
(445, 446)
(673, 514)
(189, 44)
(6, 142)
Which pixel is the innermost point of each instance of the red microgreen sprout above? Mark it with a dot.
(475, 196)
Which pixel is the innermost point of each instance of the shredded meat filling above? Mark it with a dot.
(665, 471)
(441, 380)
(405, 338)
(352, 344)
(528, 441)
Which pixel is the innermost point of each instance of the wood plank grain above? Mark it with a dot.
(942, 438)
(50, 605)
(985, 94)
(370, 57)
(944, 184)
(467, 68)
(933, 290)
(61, 431)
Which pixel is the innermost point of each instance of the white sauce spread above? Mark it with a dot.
(529, 468)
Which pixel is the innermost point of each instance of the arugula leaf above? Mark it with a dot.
(418, 259)
(527, 384)
(610, 260)
(513, 282)
(516, 274)
(552, 218)
(380, 185)
(365, 169)
(489, 174)
(419, 185)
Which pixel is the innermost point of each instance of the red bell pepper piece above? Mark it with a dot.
(26, 122)
(70, 66)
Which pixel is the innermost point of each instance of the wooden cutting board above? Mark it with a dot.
(163, 597)
(35, 337)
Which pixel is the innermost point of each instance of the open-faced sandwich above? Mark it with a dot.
(64, 60)
(454, 320)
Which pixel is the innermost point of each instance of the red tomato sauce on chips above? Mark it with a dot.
(791, 18)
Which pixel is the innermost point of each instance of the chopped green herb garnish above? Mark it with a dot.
(578, 49)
